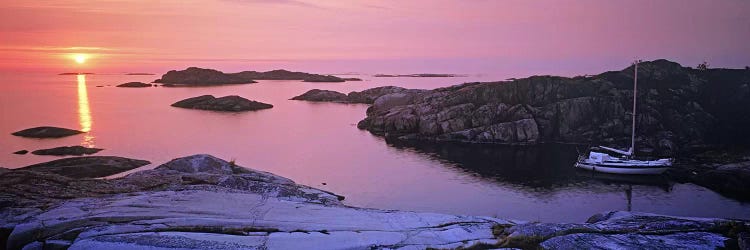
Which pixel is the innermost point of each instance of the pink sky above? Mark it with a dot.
(482, 36)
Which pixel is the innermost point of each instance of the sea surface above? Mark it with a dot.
(319, 145)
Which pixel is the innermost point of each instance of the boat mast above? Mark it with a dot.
(635, 94)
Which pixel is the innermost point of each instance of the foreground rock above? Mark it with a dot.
(194, 75)
(679, 110)
(88, 166)
(202, 202)
(134, 85)
(227, 103)
(366, 96)
(625, 230)
(71, 150)
(46, 132)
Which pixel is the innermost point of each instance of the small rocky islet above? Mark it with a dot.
(46, 132)
(223, 205)
(135, 85)
(231, 103)
(67, 150)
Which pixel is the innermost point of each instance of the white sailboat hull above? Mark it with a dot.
(634, 170)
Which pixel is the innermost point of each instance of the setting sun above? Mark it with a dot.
(80, 58)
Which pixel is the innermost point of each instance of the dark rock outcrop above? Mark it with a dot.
(231, 103)
(317, 95)
(21, 152)
(199, 76)
(134, 85)
(46, 132)
(87, 166)
(352, 79)
(71, 150)
(679, 109)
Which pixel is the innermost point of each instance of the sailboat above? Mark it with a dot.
(614, 161)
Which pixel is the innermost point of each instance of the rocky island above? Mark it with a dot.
(46, 132)
(134, 85)
(200, 76)
(68, 150)
(203, 202)
(231, 103)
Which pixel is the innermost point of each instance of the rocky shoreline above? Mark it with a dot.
(201, 202)
(682, 112)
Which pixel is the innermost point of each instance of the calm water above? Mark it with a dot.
(315, 143)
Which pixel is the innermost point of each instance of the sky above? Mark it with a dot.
(509, 37)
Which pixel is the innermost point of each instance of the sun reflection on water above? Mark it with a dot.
(84, 112)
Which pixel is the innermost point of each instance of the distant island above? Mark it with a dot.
(196, 76)
(420, 75)
(74, 73)
(139, 74)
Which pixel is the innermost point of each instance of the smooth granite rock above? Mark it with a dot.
(202, 202)
(69, 150)
(46, 132)
(231, 103)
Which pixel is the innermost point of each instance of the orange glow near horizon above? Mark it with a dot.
(376, 36)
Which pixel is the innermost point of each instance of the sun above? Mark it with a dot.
(80, 58)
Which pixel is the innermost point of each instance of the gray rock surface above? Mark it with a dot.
(46, 132)
(67, 150)
(625, 230)
(231, 103)
(134, 85)
(87, 166)
(202, 202)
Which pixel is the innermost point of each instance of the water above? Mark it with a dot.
(316, 143)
